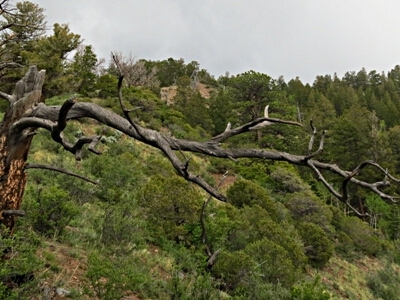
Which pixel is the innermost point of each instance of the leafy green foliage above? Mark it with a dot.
(313, 290)
(19, 275)
(171, 206)
(123, 225)
(112, 276)
(285, 179)
(260, 261)
(107, 86)
(50, 54)
(83, 67)
(50, 209)
(362, 235)
(16, 39)
(273, 263)
(319, 249)
(254, 223)
(147, 106)
(245, 192)
(252, 91)
(187, 287)
(233, 268)
(194, 107)
(305, 207)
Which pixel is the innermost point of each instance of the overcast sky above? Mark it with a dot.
(289, 37)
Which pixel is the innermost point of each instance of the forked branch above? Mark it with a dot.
(311, 143)
(57, 133)
(230, 132)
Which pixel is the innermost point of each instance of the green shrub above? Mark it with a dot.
(261, 262)
(171, 205)
(314, 290)
(252, 170)
(107, 84)
(319, 249)
(233, 268)
(119, 172)
(305, 207)
(272, 262)
(19, 276)
(286, 179)
(123, 224)
(218, 165)
(189, 286)
(111, 276)
(385, 284)
(245, 192)
(49, 209)
(345, 246)
(362, 236)
(252, 224)
(218, 224)
(258, 289)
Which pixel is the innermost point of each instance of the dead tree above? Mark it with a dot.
(27, 113)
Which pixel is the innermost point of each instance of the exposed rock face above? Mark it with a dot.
(168, 94)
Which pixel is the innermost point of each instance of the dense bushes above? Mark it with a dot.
(246, 193)
(318, 247)
(171, 207)
(50, 209)
(142, 220)
(362, 236)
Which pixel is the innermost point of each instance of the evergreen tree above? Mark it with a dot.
(50, 53)
(83, 68)
(320, 110)
(20, 28)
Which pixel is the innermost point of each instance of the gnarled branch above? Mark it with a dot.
(53, 117)
(57, 136)
(169, 144)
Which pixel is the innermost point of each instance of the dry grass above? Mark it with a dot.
(64, 267)
(348, 280)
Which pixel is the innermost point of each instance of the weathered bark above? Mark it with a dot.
(14, 148)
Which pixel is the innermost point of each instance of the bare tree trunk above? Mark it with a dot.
(14, 148)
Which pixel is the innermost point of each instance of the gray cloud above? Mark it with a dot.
(290, 38)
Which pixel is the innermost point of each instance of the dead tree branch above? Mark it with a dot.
(57, 136)
(311, 143)
(7, 97)
(163, 144)
(169, 144)
(60, 170)
(10, 213)
(229, 132)
(54, 119)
